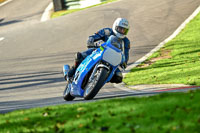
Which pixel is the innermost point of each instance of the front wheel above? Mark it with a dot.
(93, 87)
(66, 95)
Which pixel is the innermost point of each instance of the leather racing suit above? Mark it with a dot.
(103, 34)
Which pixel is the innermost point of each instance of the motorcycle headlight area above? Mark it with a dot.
(113, 57)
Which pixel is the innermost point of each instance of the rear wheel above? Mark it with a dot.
(93, 87)
(66, 95)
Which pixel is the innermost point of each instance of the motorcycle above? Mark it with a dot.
(95, 70)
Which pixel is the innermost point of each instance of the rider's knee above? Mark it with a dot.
(117, 78)
(78, 58)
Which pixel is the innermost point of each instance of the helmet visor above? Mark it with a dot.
(122, 30)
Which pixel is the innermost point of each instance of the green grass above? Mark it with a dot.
(177, 112)
(182, 65)
(65, 12)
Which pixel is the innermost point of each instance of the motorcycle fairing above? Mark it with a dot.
(86, 65)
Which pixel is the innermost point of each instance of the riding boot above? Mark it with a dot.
(78, 60)
(71, 71)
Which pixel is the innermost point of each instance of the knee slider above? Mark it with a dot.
(119, 74)
(117, 78)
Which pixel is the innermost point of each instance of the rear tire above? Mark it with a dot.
(93, 87)
(66, 95)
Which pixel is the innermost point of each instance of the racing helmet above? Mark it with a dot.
(121, 27)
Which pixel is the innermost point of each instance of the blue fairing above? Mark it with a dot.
(110, 53)
(87, 64)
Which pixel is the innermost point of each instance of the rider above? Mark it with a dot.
(120, 29)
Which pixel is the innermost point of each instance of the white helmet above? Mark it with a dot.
(121, 27)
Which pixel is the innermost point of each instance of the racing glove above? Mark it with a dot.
(90, 42)
(123, 65)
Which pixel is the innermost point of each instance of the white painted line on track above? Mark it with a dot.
(2, 38)
(6, 2)
(176, 32)
(46, 14)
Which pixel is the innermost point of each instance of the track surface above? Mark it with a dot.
(32, 53)
(21, 12)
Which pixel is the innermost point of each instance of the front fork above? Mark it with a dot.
(93, 73)
(98, 65)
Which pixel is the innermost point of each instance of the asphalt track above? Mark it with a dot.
(21, 12)
(32, 54)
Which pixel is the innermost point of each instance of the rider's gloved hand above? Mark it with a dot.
(90, 42)
(123, 65)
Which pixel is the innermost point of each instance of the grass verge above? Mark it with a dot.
(177, 112)
(65, 12)
(178, 62)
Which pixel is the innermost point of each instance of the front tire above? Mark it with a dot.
(66, 95)
(93, 87)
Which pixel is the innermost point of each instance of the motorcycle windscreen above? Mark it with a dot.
(112, 57)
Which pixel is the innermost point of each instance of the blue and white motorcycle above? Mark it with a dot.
(95, 70)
